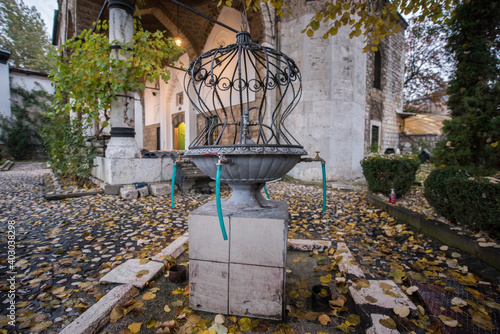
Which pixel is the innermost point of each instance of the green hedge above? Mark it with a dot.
(461, 196)
(390, 171)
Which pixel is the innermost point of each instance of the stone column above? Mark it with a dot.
(122, 144)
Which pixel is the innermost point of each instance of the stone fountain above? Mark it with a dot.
(244, 93)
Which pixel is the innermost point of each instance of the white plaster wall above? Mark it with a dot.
(138, 122)
(30, 82)
(168, 106)
(4, 91)
(152, 103)
(330, 116)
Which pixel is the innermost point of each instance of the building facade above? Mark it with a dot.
(350, 99)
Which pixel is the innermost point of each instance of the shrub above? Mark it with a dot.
(436, 190)
(460, 196)
(391, 171)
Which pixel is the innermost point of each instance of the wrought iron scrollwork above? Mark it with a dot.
(224, 83)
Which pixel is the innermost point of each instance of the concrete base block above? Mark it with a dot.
(129, 193)
(143, 192)
(160, 189)
(244, 275)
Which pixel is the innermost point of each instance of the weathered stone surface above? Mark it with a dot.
(127, 272)
(250, 264)
(112, 189)
(128, 193)
(256, 291)
(95, 317)
(174, 249)
(159, 189)
(309, 245)
(378, 328)
(129, 171)
(210, 295)
(376, 291)
(143, 192)
(348, 263)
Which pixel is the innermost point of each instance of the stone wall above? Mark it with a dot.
(382, 103)
(330, 116)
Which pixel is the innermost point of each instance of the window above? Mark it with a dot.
(179, 99)
(377, 70)
(375, 134)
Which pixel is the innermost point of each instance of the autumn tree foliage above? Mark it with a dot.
(426, 66)
(22, 32)
(473, 133)
(371, 18)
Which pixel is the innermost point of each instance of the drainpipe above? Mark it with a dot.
(122, 144)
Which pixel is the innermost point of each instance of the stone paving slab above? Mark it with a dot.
(97, 316)
(174, 249)
(309, 245)
(348, 264)
(378, 328)
(375, 294)
(127, 273)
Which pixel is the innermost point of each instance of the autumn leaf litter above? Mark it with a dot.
(64, 247)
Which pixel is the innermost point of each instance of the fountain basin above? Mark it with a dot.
(248, 168)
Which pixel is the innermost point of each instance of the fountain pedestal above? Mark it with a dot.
(244, 275)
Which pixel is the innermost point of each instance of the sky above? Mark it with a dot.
(46, 9)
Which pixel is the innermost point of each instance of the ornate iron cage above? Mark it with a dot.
(245, 92)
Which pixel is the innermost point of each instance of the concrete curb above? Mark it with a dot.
(71, 195)
(6, 165)
(441, 231)
(92, 320)
(97, 316)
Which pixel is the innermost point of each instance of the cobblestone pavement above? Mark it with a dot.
(64, 247)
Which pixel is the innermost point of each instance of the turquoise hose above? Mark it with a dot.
(172, 187)
(217, 199)
(324, 185)
(265, 189)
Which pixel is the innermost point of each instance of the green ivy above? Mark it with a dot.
(20, 132)
(87, 80)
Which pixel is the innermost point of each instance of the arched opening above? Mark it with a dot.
(180, 136)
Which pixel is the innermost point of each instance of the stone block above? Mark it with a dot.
(129, 193)
(127, 272)
(253, 257)
(205, 238)
(258, 241)
(112, 189)
(160, 189)
(143, 192)
(256, 291)
(208, 286)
